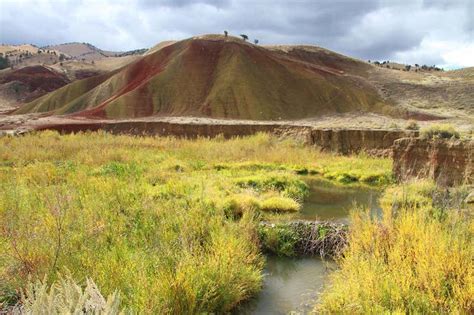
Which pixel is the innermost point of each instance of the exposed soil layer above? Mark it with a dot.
(343, 141)
(84, 74)
(347, 141)
(447, 162)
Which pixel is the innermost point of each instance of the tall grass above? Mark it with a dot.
(416, 259)
(147, 216)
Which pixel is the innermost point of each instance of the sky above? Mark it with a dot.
(432, 32)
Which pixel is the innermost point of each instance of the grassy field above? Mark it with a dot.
(168, 223)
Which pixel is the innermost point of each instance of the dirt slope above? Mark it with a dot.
(448, 93)
(80, 51)
(221, 77)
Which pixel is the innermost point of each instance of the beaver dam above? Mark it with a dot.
(295, 271)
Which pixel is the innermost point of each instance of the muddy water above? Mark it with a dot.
(294, 284)
(290, 284)
(328, 201)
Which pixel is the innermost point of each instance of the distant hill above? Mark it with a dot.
(23, 66)
(88, 52)
(222, 77)
(28, 83)
(25, 48)
(225, 77)
(80, 51)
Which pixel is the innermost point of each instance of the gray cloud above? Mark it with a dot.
(181, 3)
(412, 31)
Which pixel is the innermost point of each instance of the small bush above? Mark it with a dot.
(412, 125)
(279, 239)
(394, 126)
(280, 204)
(442, 131)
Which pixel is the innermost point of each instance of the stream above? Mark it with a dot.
(294, 284)
(328, 201)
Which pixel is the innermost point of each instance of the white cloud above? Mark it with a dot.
(445, 54)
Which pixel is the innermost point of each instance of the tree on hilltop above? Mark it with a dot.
(226, 33)
(244, 37)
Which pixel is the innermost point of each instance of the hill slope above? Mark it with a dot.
(221, 77)
(26, 84)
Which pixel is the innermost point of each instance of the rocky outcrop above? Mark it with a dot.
(448, 162)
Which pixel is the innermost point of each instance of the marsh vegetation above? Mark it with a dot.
(169, 223)
(166, 225)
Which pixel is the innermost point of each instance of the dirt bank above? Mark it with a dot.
(344, 141)
(447, 162)
(347, 141)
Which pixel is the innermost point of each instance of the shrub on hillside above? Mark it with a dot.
(412, 125)
(442, 131)
(394, 126)
(4, 62)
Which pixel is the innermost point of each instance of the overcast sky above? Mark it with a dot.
(412, 31)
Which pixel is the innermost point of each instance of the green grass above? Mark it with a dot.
(357, 169)
(280, 204)
(155, 218)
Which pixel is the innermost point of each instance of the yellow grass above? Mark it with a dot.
(148, 216)
(417, 259)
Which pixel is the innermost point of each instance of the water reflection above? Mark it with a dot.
(289, 285)
(328, 201)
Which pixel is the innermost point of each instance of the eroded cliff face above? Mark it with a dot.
(348, 141)
(343, 141)
(448, 162)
